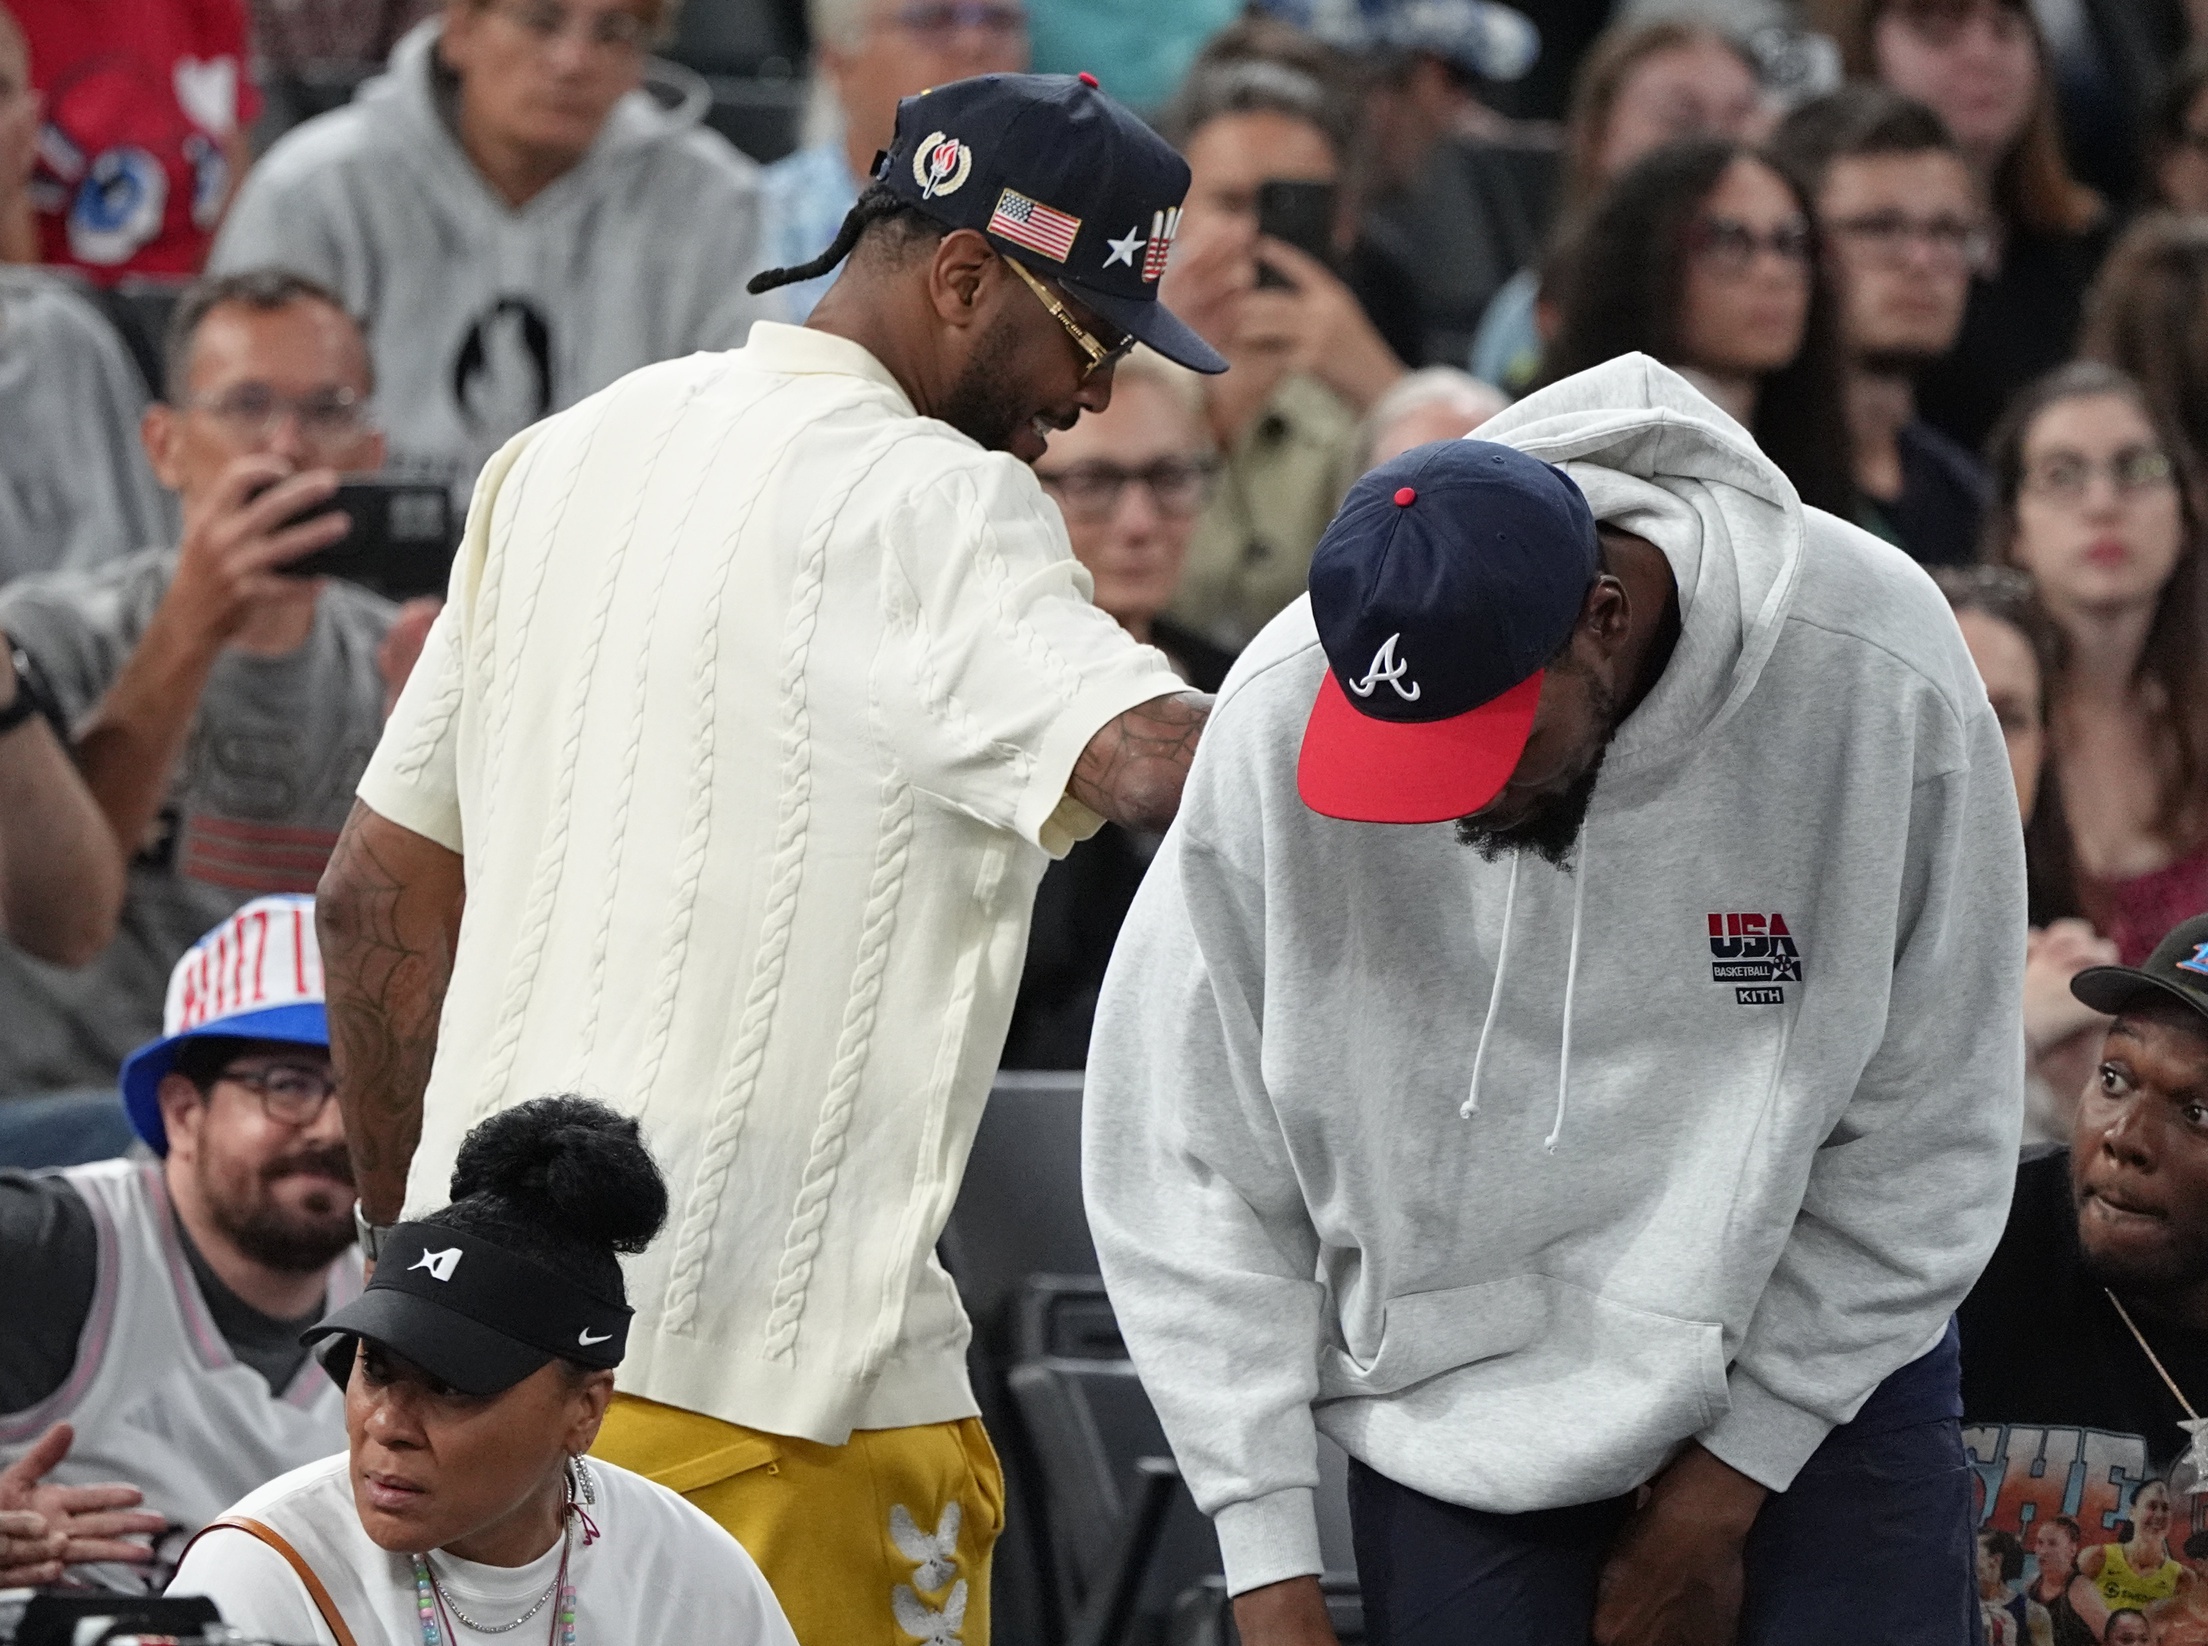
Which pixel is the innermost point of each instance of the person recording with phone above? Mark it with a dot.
(1265, 137)
(221, 711)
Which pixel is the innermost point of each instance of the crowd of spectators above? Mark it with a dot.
(1954, 283)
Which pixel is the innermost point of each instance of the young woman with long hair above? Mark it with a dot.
(2095, 498)
(1640, 86)
(1703, 254)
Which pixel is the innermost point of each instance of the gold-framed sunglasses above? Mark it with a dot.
(1098, 354)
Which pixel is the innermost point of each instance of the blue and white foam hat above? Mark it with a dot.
(257, 976)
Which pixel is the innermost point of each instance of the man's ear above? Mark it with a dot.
(160, 433)
(1607, 614)
(182, 1107)
(960, 277)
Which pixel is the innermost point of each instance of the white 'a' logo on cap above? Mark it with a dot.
(940, 165)
(439, 1264)
(1390, 668)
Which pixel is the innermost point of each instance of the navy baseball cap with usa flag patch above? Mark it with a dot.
(1060, 178)
(1448, 580)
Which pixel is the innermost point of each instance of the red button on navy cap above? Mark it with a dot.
(1438, 623)
(1086, 78)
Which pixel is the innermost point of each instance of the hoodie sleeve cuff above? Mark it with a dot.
(1765, 1438)
(1269, 1539)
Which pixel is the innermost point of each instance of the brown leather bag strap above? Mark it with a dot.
(298, 1563)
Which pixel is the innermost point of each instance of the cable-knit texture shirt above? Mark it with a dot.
(752, 711)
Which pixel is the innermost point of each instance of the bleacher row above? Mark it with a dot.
(1102, 1542)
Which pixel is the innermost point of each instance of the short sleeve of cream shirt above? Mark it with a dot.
(992, 668)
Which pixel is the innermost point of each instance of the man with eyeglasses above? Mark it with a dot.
(524, 207)
(219, 711)
(867, 55)
(1904, 233)
(768, 690)
(153, 1308)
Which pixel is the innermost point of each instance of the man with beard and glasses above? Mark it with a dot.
(2086, 1341)
(1566, 1052)
(151, 1318)
(767, 688)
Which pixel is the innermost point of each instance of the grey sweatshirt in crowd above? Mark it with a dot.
(1513, 1179)
(484, 318)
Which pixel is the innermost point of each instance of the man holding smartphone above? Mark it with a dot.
(220, 711)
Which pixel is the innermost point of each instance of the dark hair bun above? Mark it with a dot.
(570, 1166)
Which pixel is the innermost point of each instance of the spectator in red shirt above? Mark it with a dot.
(143, 142)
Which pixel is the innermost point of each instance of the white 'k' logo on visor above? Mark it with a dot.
(439, 1264)
(1388, 667)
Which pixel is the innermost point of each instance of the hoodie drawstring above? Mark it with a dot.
(1495, 994)
(1471, 1105)
(1571, 988)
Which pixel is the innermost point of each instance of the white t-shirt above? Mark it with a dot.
(752, 710)
(658, 1574)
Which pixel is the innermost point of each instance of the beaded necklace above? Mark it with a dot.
(434, 1614)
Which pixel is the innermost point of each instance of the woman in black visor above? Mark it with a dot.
(477, 1366)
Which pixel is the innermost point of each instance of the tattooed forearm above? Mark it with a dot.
(1132, 770)
(388, 914)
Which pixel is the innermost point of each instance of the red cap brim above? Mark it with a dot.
(1428, 771)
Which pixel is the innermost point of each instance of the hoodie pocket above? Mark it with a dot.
(1651, 1374)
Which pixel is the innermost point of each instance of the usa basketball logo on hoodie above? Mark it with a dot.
(1754, 949)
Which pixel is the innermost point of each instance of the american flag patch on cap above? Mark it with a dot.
(1034, 225)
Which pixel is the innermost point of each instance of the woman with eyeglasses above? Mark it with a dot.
(1702, 254)
(477, 1367)
(1982, 66)
(2095, 500)
(1131, 481)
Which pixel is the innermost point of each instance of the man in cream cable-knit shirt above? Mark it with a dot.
(767, 685)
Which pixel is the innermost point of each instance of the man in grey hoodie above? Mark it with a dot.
(1585, 1168)
(517, 217)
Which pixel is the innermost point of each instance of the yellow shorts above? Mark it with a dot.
(885, 1539)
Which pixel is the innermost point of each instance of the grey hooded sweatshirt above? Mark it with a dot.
(483, 318)
(1513, 1179)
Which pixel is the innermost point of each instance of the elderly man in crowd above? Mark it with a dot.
(1904, 233)
(753, 804)
(221, 711)
(154, 1308)
(867, 54)
(1432, 403)
(517, 218)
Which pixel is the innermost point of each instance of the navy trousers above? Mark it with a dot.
(1872, 1544)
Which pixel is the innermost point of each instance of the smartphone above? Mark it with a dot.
(400, 543)
(1300, 213)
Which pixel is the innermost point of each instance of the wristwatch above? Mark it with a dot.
(31, 695)
(371, 1234)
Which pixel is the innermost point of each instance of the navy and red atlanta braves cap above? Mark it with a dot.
(1450, 577)
(2177, 970)
(1054, 173)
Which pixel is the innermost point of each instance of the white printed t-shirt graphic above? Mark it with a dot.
(753, 709)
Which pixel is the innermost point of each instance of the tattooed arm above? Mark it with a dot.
(1132, 770)
(388, 914)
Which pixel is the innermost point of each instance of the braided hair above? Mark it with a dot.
(878, 205)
